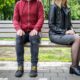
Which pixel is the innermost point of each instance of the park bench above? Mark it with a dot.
(7, 31)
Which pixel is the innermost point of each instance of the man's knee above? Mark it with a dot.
(19, 39)
(34, 39)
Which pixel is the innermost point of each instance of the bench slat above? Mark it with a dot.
(42, 44)
(13, 30)
(6, 25)
(45, 25)
(6, 35)
(13, 35)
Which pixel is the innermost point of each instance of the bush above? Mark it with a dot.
(75, 9)
(6, 9)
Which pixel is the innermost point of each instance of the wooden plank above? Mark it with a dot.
(7, 30)
(5, 22)
(13, 35)
(42, 44)
(46, 21)
(77, 30)
(45, 30)
(45, 26)
(44, 35)
(6, 35)
(76, 25)
(10, 21)
(6, 25)
(12, 26)
(13, 30)
(75, 21)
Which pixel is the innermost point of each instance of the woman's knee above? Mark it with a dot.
(77, 37)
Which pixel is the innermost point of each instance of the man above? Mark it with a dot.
(28, 19)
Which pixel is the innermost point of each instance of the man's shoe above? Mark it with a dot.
(74, 70)
(33, 72)
(19, 72)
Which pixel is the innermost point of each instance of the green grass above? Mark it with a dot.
(7, 39)
(15, 38)
(46, 54)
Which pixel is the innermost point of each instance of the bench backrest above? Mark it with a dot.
(7, 30)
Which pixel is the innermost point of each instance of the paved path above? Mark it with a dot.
(46, 71)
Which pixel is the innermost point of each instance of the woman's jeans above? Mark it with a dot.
(34, 48)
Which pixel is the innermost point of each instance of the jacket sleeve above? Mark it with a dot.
(52, 20)
(40, 21)
(69, 21)
(16, 17)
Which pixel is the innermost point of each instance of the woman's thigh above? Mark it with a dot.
(63, 39)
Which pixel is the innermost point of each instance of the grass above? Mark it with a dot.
(8, 39)
(45, 54)
(15, 38)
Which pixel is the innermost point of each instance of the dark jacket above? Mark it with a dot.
(59, 19)
(28, 15)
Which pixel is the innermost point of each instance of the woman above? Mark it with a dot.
(61, 32)
(28, 19)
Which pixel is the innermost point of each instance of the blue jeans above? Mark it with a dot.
(34, 48)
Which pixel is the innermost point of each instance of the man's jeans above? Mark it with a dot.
(34, 48)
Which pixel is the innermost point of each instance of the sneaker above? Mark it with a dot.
(19, 72)
(33, 72)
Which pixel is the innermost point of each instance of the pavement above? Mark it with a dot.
(46, 71)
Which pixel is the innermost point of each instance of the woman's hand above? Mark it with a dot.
(20, 32)
(33, 32)
(70, 32)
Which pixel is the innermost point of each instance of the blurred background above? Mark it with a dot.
(7, 7)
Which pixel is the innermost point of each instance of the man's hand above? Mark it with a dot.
(70, 32)
(33, 32)
(20, 32)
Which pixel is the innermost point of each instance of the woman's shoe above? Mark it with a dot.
(74, 70)
(79, 68)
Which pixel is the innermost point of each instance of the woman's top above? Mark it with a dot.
(59, 19)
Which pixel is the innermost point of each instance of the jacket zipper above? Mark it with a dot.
(28, 14)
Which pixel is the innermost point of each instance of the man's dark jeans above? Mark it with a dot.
(34, 48)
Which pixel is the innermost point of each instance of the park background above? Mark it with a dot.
(50, 54)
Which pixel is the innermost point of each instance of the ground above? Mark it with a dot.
(46, 71)
(47, 68)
